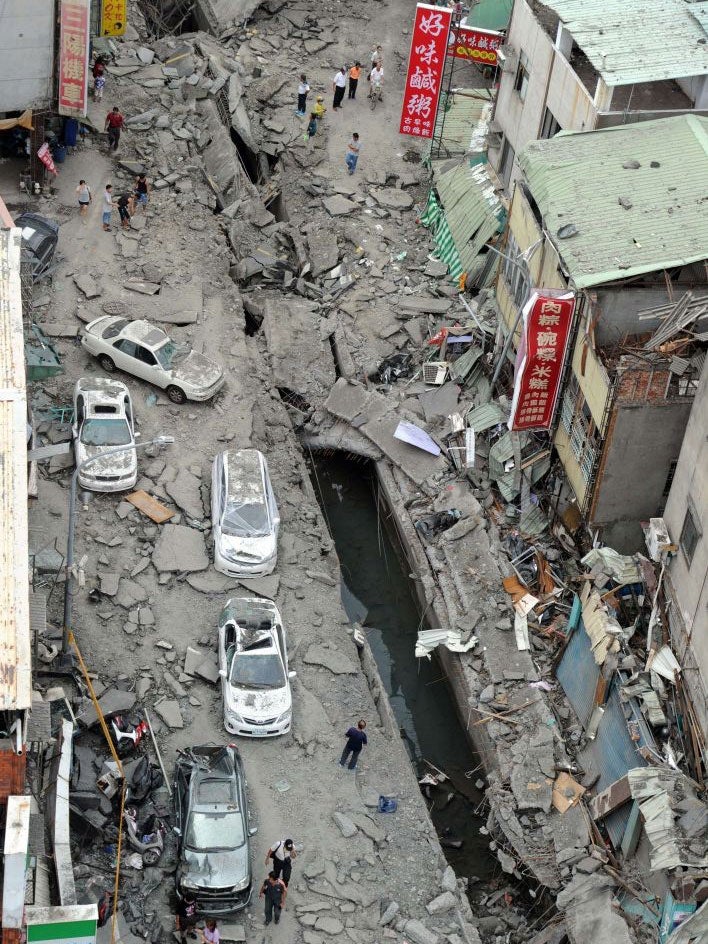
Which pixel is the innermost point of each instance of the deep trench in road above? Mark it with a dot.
(377, 593)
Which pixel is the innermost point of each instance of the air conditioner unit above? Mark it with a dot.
(508, 58)
(495, 139)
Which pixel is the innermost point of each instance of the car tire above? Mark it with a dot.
(176, 394)
(106, 363)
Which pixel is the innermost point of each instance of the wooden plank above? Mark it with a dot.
(150, 506)
(615, 795)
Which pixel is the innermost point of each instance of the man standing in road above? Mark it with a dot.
(339, 83)
(356, 739)
(114, 124)
(352, 155)
(282, 853)
(354, 74)
(275, 892)
(107, 207)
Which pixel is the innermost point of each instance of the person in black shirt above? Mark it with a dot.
(125, 209)
(275, 891)
(186, 918)
(356, 739)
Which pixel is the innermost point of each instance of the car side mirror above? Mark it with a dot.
(292, 674)
(222, 673)
(177, 831)
(252, 830)
(137, 435)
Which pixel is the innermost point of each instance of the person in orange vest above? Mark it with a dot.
(354, 74)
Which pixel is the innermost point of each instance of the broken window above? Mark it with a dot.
(690, 536)
(549, 126)
(515, 272)
(521, 82)
(506, 162)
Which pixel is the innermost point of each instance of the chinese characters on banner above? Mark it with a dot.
(425, 70)
(73, 57)
(476, 44)
(114, 14)
(548, 316)
(45, 156)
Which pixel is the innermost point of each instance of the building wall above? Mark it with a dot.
(690, 580)
(26, 54)
(643, 440)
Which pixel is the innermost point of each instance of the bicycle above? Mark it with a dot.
(375, 95)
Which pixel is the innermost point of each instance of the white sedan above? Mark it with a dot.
(144, 350)
(103, 419)
(253, 665)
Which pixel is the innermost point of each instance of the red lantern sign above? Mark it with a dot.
(425, 70)
(548, 316)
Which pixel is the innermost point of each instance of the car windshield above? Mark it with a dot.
(257, 670)
(170, 353)
(246, 520)
(216, 830)
(105, 432)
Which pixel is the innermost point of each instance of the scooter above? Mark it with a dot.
(127, 733)
(147, 838)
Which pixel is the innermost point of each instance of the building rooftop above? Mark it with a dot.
(633, 41)
(623, 201)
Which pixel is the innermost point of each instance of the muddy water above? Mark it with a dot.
(378, 594)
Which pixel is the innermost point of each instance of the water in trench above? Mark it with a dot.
(379, 595)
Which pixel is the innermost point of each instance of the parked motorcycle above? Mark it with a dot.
(147, 838)
(127, 731)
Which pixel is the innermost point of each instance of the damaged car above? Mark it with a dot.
(144, 350)
(213, 827)
(103, 420)
(253, 666)
(245, 518)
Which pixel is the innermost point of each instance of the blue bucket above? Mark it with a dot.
(387, 804)
(59, 154)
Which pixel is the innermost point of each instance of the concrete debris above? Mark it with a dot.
(332, 659)
(179, 550)
(346, 826)
(444, 902)
(169, 711)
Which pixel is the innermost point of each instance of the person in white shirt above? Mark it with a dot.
(282, 853)
(377, 55)
(339, 83)
(376, 79)
(302, 90)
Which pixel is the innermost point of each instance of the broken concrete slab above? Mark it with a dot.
(193, 658)
(346, 826)
(212, 582)
(168, 709)
(209, 669)
(178, 304)
(301, 358)
(262, 586)
(185, 491)
(88, 285)
(440, 401)
(331, 659)
(338, 205)
(113, 701)
(180, 549)
(130, 593)
(392, 199)
(421, 305)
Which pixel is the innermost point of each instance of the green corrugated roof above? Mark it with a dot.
(473, 210)
(491, 14)
(580, 178)
(461, 123)
(486, 415)
(630, 41)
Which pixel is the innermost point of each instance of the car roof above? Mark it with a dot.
(144, 333)
(102, 391)
(244, 476)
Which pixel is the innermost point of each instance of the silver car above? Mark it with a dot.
(103, 419)
(244, 515)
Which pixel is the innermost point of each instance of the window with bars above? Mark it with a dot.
(585, 440)
(521, 81)
(516, 272)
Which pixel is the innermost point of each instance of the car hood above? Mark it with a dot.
(197, 370)
(256, 704)
(220, 869)
(122, 463)
(253, 550)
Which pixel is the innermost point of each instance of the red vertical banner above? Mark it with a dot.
(425, 70)
(73, 58)
(548, 316)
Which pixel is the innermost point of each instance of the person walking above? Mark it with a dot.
(282, 853)
(107, 207)
(99, 83)
(125, 209)
(354, 74)
(356, 739)
(319, 108)
(114, 124)
(339, 83)
(352, 155)
(210, 932)
(302, 90)
(83, 192)
(376, 55)
(186, 918)
(311, 127)
(275, 891)
(142, 189)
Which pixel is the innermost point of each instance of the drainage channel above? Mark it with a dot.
(377, 592)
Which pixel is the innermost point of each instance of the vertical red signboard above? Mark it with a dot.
(425, 70)
(548, 316)
(73, 58)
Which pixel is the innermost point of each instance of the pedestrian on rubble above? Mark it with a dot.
(302, 90)
(99, 83)
(83, 192)
(356, 739)
(377, 55)
(352, 155)
(339, 83)
(107, 207)
(125, 209)
(210, 932)
(275, 891)
(281, 854)
(354, 74)
(311, 127)
(142, 189)
(186, 917)
(114, 124)
(319, 108)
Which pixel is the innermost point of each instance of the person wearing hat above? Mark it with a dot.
(282, 853)
(319, 108)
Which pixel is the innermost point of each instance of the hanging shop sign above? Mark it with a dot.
(547, 319)
(479, 45)
(425, 70)
(114, 16)
(45, 156)
(73, 57)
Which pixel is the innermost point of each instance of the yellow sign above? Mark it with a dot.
(114, 15)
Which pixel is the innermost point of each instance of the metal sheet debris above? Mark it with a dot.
(415, 436)
(429, 639)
